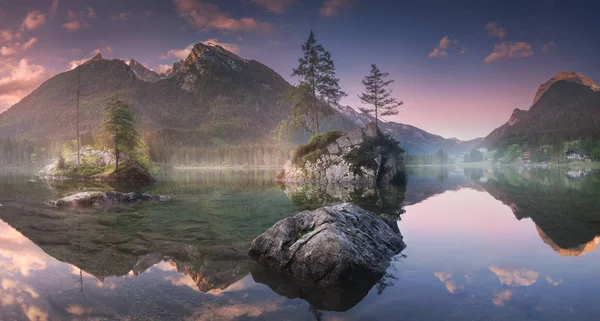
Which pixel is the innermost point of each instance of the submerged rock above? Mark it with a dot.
(107, 199)
(362, 156)
(331, 245)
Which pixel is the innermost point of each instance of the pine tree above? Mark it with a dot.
(318, 87)
(119, 133)
(378, 95)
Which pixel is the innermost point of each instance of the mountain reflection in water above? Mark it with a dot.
(467, 255)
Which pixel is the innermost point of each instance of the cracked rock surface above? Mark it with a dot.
(331, 245)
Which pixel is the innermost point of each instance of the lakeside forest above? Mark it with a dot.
(289, 116)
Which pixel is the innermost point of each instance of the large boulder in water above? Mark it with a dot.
(107, 199)
(363, 156)
(331, 245)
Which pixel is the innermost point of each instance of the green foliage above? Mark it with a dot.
(316, 146)
(119, 132)
(318, 88)
(473, 157)
(596, 154)
(513, 152)
(378, 95)
(367, 152)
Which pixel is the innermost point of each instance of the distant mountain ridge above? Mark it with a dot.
(412, 139)
(211, 98)
(566, 107)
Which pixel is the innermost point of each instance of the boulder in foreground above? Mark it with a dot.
(107, 199)
(331, 245)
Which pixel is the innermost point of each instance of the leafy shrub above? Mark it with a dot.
(316, 146)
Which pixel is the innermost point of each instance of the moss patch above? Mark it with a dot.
(316, 147)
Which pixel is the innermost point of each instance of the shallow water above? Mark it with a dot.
(483, 244)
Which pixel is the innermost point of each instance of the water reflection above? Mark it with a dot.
(482, 243)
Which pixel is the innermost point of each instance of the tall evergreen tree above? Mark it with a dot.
(119, 132)
(318, 87)
(379, 95)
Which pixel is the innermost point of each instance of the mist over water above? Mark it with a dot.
(493, 243)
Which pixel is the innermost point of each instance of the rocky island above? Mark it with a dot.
(363, 156)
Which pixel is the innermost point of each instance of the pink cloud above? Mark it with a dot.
(437, 53)
(441, 50)
(493, 29)
(21, 79)
(333, 7)
(33, 20)
(14, 48)
(6, 36)
(75, 25)
(206, 16)
(121, 16)
(509, 50)
(161, 69)
(550, 45)
(91, 13)
(277, 6)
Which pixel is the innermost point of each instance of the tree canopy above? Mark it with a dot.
(119, 132)
(378, 95)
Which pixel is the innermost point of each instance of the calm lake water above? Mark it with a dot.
(483, 244)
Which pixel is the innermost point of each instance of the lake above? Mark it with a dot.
(482, 244)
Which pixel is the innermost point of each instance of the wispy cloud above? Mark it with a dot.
(78, 20)
(20, 80)
(334, 7)
(33, 20)
(120, 16)
(207, 16)
(17, 47)
(54, 9)
(548, 46)
(509, 50)
(441, 50)
(493, 29)
(277, 6)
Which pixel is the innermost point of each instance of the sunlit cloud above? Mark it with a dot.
(463, 50)
(77, 20)
(20, 79)
(334, 7)
(161, 69)
(548, 46)
(514, 277)
(17, 47)
(7, 35)
(206, 16)
(441, 50)
(33, 20)
(554, 282)
(509, 50)
(277, 6)
(91, 14)
(493, 29)
(502, 297)
(76, 63)
(75, 25)
(8, 284)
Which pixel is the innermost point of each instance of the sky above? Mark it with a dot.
(461, 67)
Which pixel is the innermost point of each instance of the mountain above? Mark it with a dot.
(143, 73)
(412, 139)
(212, 98)
(566, 107)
